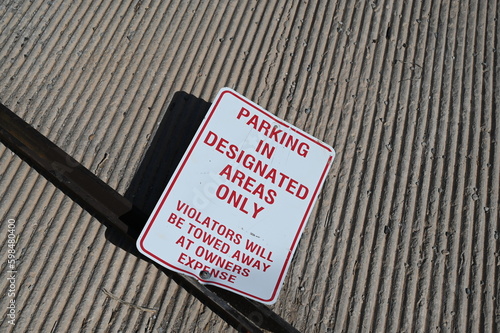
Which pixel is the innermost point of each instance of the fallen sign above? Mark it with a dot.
(117, 212)
(233, 212)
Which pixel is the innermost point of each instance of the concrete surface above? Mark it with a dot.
(405, 234)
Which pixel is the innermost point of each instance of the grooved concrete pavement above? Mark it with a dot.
(405, 233)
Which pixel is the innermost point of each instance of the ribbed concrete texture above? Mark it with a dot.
(405, 234)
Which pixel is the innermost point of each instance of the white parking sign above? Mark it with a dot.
(233, 212)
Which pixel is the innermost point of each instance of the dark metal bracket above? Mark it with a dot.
(118, 213)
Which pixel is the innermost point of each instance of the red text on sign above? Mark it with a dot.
(238, 201)
(248, 183)
(208, 222)
(257, 166)
(196, 265)
(273, 132)
(175, 220)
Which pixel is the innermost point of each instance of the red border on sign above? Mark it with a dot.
(181, 167)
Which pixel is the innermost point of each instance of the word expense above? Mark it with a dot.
(249, 182)
(213, 254)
